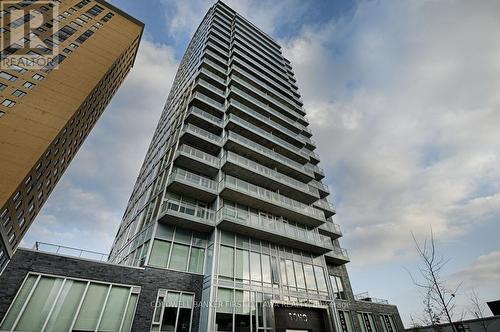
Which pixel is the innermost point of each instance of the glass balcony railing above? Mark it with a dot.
(331, 227)
(213, 75)
(215, 47)
(272, 197)
(275, 226)
(216, 56)
(188, 210)
(212, 88)
(265, 119)
(205, 115)
(181, 175)
(292, 148)
(208, 100)
(215, 65)
(319, 185)
(338, 253)
(267, 152)
(324, 204)
(266, 171)
(268, 97)
(198, 154)
(268, 108)
(189, 128)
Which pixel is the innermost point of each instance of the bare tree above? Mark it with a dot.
(439, 300)
(478, 309)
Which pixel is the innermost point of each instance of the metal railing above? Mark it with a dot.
(266, 134)
(268, 108)
(188, 209)
(208, 100)
(267, 152)
(265, 119)
(270, 196)
(181, 175)
(339, 252)
(276, 226)
(324, 204)
(76, 252)
(198, 154)
(202, 132)
(319, 185)
(266, 171)
(332, 227)
(367, 298)
(201, 113)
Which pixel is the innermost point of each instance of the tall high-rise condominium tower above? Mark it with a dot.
(48, 107)
(231, 194)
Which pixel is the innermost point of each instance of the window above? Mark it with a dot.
(345, 321)
(29, 85)
(85, 36)
(7, 76)
(2, 114)
(8, 103)
(38, 77)
(107, 17)
(81, 4)
(178, 249)
(2, 86)
(20, 70)
(96, 10)
(77, 305)
(366, 322)
(19, 93)
(388, 323)
(338, 288)
(173, 311)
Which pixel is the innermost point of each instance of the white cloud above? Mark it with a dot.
(85, 208)
(412, 108)
(483, 272)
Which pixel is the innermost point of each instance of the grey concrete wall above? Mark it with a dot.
(150, 280)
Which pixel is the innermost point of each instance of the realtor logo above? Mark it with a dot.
(28, 35)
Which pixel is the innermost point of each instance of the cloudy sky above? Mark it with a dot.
(403, 100)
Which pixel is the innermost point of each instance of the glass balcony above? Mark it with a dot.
(187, 215)
(292, 136)
(321, 186)
(275, 231)
(337, 256)
(197, 159)
(268, 173)
(179, 174)
(331, 228)
(326, 206)
(205, 115)
(213, 46)
(213, 76)
(212, 88)
(209, 101)
(222, 70)
(202, 133)
(255, 77)
(292, 149)
(267, 108)
(288, 206)
(267, 153)
(269, 98)
(191, 184)
(263, 61)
